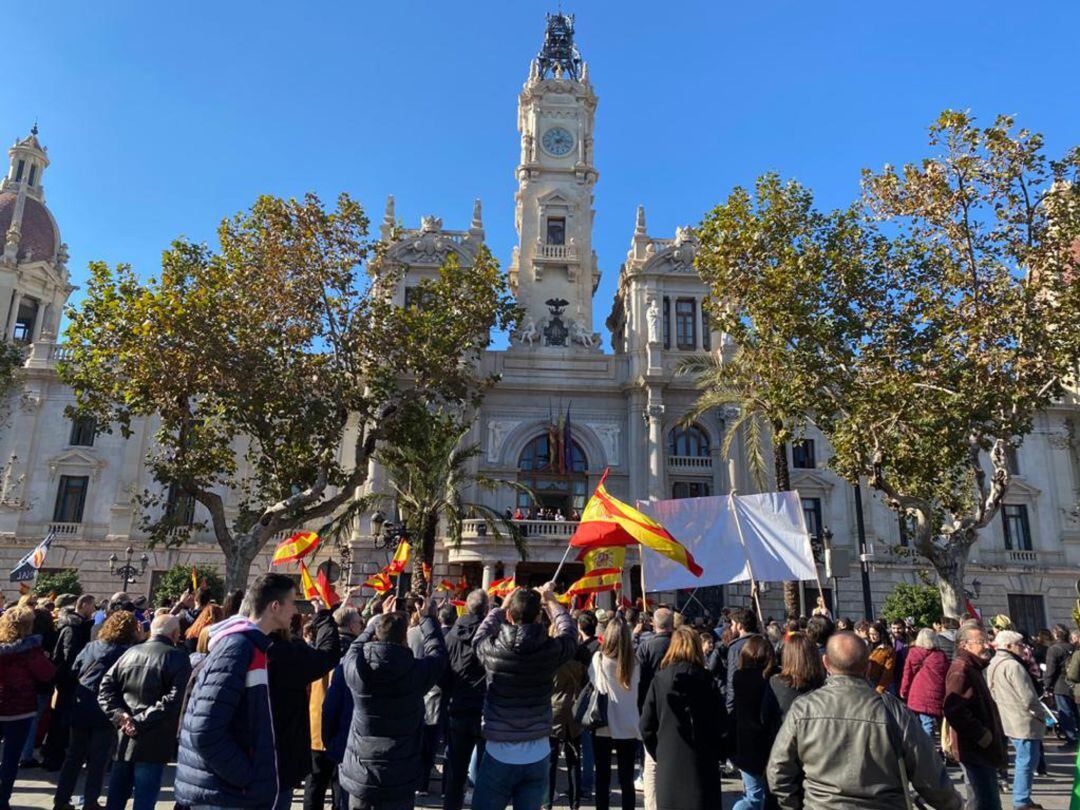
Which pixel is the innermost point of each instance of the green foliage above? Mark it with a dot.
(177, 580)
(66, 581)
(922, 602)
(920, 328)
(261, 358)
(430, 470)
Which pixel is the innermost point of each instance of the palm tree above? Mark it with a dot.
(727, 383)
(429, 468)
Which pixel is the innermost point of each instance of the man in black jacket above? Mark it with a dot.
(381, 768)
(75, 624)
(520, 659)
(588, 644)
(1055, 683)
(465, 680)
(650, 653)
(141, 695)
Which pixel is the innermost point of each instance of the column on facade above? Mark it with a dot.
(509, 570)
(699, 325)
(7, 292)
(636, 432)
(13, 316)
(655, 410)
(488, 576)
(39, 319)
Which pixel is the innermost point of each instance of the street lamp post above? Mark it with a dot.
(864, 558)
(128, 571)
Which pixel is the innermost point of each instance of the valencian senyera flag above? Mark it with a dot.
(28, 566)
(401, 557)
(607, 521)
(598, 581)
(295, 547)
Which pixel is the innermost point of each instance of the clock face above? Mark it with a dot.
(557, 141)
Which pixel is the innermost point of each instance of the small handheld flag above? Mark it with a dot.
(401, 558)
(310, 591)
(379, 582)
(28, 566)
(326, 591)
(501, 587)
(194, 580)
(295, 547)
(607, 521)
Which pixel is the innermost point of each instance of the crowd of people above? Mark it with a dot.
(371, 705)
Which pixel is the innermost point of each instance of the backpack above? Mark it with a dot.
(1072, 674)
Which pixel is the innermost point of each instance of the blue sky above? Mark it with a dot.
(161, 118)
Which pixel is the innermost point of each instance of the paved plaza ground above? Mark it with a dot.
(35, 788)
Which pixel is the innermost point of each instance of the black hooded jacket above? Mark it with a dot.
(465, 677)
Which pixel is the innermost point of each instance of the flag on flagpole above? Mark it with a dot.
(295, 547)
(401, 557)
(28, 566)
(603, 579)
(310, 591)
(607, 521)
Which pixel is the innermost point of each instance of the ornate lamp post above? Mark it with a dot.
(128, 571)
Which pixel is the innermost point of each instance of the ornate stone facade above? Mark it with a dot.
(624, 404)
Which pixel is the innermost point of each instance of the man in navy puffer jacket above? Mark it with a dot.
(382, 766)
(227, 754)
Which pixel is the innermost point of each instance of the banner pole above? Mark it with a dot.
(555, 576)
(749, 567)
(641, 566)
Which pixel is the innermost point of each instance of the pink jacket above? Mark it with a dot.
(923, 681)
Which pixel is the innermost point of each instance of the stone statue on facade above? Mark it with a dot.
(528, 333)
(652, 315)
(578, 334)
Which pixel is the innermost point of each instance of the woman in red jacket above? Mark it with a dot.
(23, 667)
(922, 685)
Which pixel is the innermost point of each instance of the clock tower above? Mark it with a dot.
(553, 271)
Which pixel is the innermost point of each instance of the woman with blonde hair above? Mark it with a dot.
(23, 668)
(93, 736)
(614, 672)
(681, 725)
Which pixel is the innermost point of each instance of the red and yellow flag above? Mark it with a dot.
(459, 605)
(380, 582)
(401, 558)
(598, 581)
(451, 587)
(194, 580)
(310, 591)
(607, 521)
(501, 587)
(427, 571)
(295, 548)
(603, 557)
(326, 591)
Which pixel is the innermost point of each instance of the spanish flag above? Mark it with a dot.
(501, 587)
(459, 605)
(194, 580)
(310, 591)
(326, 591)
(380, 582)
(598, 581)
(607, 521)
(296, 547)
(603, 557)
(401, 558)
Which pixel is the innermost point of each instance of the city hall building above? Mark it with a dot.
(618, 389)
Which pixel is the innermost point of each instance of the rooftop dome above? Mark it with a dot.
(38, 233)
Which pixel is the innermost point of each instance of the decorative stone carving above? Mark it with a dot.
(12, 486)
(652, 316)
(655, 411)
(498, 430)
(608, 434)
(528, 333)
(578, 334)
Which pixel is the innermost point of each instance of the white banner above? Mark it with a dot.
(772, 527)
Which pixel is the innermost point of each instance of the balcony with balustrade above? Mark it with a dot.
(690, 463)
(556, 253)
(545, 539)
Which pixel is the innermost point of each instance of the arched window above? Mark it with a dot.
(689, 441)
(558, 483)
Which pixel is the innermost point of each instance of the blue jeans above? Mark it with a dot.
(142, 777)
(982, 787)
(1027, 757)
(31, 738)
(753, 797)
(588, 767)
(499, 785)
(13, 733)
(927, 724)
(1066, 707)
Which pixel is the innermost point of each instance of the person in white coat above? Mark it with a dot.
(1023, 715)
(614, 672)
